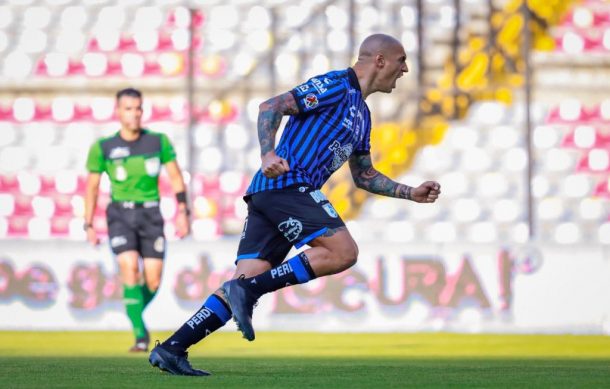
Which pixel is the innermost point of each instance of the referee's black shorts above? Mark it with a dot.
(282, 218)
(136, 226)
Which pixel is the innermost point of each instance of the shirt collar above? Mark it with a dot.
(353, 79)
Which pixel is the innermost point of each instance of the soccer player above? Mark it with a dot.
(329, 124)
(132, 158)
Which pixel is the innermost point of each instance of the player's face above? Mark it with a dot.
(394, 67)
(129, 112)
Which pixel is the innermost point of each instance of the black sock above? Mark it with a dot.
(296, 270)
(213, 314)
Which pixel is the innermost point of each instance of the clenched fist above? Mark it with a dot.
(426, 193)
(273, 166)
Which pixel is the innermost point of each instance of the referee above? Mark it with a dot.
(132, 158)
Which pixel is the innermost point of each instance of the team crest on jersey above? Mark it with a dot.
(119, 152)
(153, 166)
(291, 229)
(342, 153)
(330, 210)
(311, 101)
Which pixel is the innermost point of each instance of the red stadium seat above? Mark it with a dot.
(18, 226)
(9, 184)
(23, 205)
(60, 226)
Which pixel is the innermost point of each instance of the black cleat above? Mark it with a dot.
(172, 363)
(242, 302)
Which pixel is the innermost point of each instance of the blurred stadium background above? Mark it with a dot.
(514, 123)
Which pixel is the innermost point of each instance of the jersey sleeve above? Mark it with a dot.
(319, 92)
(95, 159)
(364, 146)
(168, 153)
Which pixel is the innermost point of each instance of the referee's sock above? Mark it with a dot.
(147, 294)
(134, 305)
(213, 314)
(296, 270)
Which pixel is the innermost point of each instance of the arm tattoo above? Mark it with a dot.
(368, 178)
(333, 231)
(270, 117)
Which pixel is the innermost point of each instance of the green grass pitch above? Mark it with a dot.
(311, 360)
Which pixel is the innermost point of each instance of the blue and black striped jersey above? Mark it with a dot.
(333, 122)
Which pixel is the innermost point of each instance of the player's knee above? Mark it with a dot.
(349, 255)
(153, 286)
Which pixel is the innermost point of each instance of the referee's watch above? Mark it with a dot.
(86, 226)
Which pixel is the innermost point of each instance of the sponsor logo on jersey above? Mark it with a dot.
(291, 229)
(119, 152)
(319, 85)
(347, 123)
(311, 101)
(303, 88)
(342, 153)
(120, 173)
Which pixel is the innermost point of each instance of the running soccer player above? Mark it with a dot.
(329, 124)
(132, 158)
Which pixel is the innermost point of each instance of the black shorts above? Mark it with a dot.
(282, 218)
(136, 226)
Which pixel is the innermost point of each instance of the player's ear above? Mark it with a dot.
(380, 60)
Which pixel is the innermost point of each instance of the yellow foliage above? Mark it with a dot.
(474, 73)
(504, 95)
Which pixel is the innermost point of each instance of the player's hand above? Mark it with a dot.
(92, 237)
(273, 166)
(427, 192)
(183, 225)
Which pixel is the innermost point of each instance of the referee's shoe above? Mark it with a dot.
(176, 364)
(242, 302)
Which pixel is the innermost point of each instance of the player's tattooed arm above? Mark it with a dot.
(368, 178)
(333, 231)
(270, 116)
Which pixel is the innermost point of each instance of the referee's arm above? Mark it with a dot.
(91, 193)
(176, 180)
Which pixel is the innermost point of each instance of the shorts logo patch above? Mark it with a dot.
(318, 196)
(330, 210)
(159, 244)
(117, 241)
(302, 189)
(311, 101)
(291, 229)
